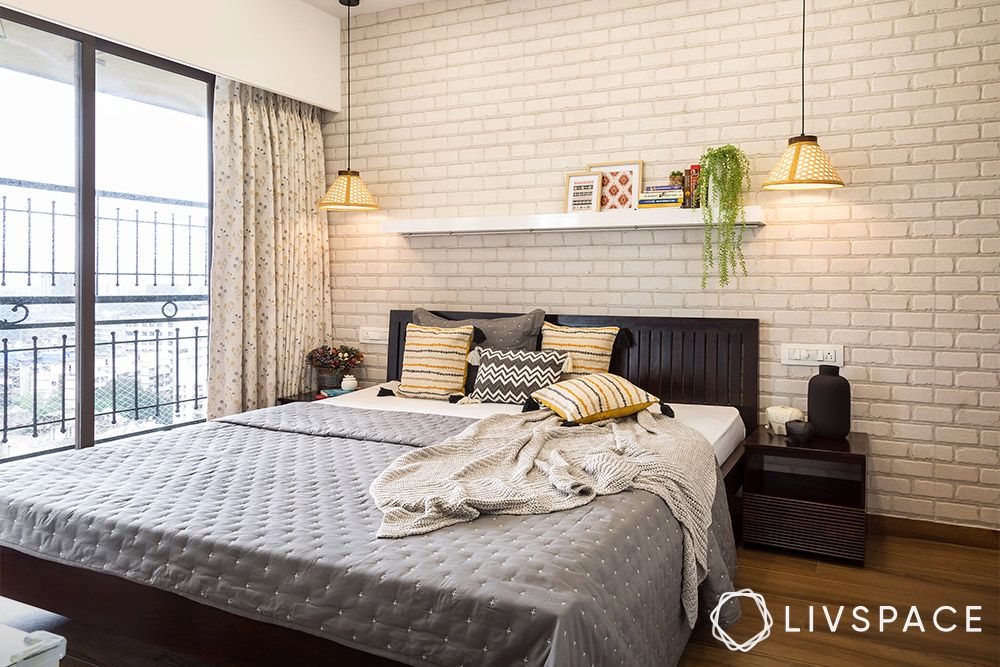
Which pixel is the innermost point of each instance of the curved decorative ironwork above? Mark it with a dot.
(16, 307)
(166, 306)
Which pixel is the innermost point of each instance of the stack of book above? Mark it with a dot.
(691, 177)
(330, 393)
(661, 195)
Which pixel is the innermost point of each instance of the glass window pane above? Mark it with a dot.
(37, 239)
(152, 247)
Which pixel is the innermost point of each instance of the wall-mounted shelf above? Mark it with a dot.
(662, 218)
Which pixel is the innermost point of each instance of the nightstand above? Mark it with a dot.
(304, 397)
(808, 498)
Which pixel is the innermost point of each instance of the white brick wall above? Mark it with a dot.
(465, 107)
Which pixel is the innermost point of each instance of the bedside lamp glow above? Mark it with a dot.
(804, 165)
(348, 192)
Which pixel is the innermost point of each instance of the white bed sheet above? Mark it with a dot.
(721, 425)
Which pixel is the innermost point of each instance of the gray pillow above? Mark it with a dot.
(519, 332)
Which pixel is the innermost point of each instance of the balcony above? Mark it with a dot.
(151, 309)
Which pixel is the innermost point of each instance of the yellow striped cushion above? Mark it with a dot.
(594, 397)
(589, 348)
(434, 361)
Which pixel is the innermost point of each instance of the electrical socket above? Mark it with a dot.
(812, 354)
(374, 335)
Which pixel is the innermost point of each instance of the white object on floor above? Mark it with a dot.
(720, 424)
(30, 649)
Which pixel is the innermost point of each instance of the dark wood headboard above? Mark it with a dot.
(705, 360)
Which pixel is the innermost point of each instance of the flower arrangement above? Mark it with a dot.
(342, 358)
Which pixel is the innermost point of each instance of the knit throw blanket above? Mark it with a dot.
(529, 464)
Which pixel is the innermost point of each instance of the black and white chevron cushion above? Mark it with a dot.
(511, 376)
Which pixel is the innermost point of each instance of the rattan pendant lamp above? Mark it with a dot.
(348, 191)
(804, 165)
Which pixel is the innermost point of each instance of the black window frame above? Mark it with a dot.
(86, 198)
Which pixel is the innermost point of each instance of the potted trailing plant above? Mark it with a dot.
(331, 364)
(725, 176)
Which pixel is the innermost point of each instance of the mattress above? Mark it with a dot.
(721, 425)
(267, 515)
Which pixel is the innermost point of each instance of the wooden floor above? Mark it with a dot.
(899, 571)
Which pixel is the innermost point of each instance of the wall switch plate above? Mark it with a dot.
(374, 335)
(812, 354)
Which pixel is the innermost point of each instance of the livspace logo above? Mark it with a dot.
(724, 637)
(859, 619)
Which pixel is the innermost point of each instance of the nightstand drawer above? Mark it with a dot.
(802, 525)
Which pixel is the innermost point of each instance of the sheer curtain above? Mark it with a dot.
(270, 286)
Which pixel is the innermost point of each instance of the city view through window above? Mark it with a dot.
(151, 171)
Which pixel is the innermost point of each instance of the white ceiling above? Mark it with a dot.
(367, 6)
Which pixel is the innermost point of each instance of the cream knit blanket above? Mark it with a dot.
(529, 464)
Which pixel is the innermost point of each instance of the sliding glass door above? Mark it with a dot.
(152, 247)
(104, 236)
(39, 107)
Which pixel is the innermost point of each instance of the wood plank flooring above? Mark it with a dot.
(899, 571)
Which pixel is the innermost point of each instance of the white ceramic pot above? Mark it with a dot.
(350, 383)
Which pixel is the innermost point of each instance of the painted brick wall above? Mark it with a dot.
(465, 107)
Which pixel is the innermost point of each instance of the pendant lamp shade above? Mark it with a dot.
(803, 166)
(348, 191)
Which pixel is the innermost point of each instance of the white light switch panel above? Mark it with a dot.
(374, 335)
(812, 354)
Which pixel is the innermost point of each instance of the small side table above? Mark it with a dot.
(808, 498)
(304, 397)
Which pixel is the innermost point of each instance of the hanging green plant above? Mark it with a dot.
(725, 176)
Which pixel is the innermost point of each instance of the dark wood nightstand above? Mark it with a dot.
(808, 498)
(304, 397)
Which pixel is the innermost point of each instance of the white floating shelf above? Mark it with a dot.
(661, 218)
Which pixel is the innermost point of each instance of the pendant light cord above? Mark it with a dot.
(803, 66)
(349, 83)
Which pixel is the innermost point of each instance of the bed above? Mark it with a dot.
(250, 539)
(721, 425)
(700, 361)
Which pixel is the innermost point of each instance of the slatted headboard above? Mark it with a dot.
(710, 361)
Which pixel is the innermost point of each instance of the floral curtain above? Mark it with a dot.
(270, 287)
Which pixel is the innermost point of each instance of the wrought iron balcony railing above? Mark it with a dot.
(152, 314)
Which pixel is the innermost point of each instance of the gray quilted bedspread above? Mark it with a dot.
(267, 515)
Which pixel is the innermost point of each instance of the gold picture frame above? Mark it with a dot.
(583, 192)
(626, 197)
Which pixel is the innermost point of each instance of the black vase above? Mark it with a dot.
(830, 404)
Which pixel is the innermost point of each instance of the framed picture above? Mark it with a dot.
(583, 191)
(621, 183)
